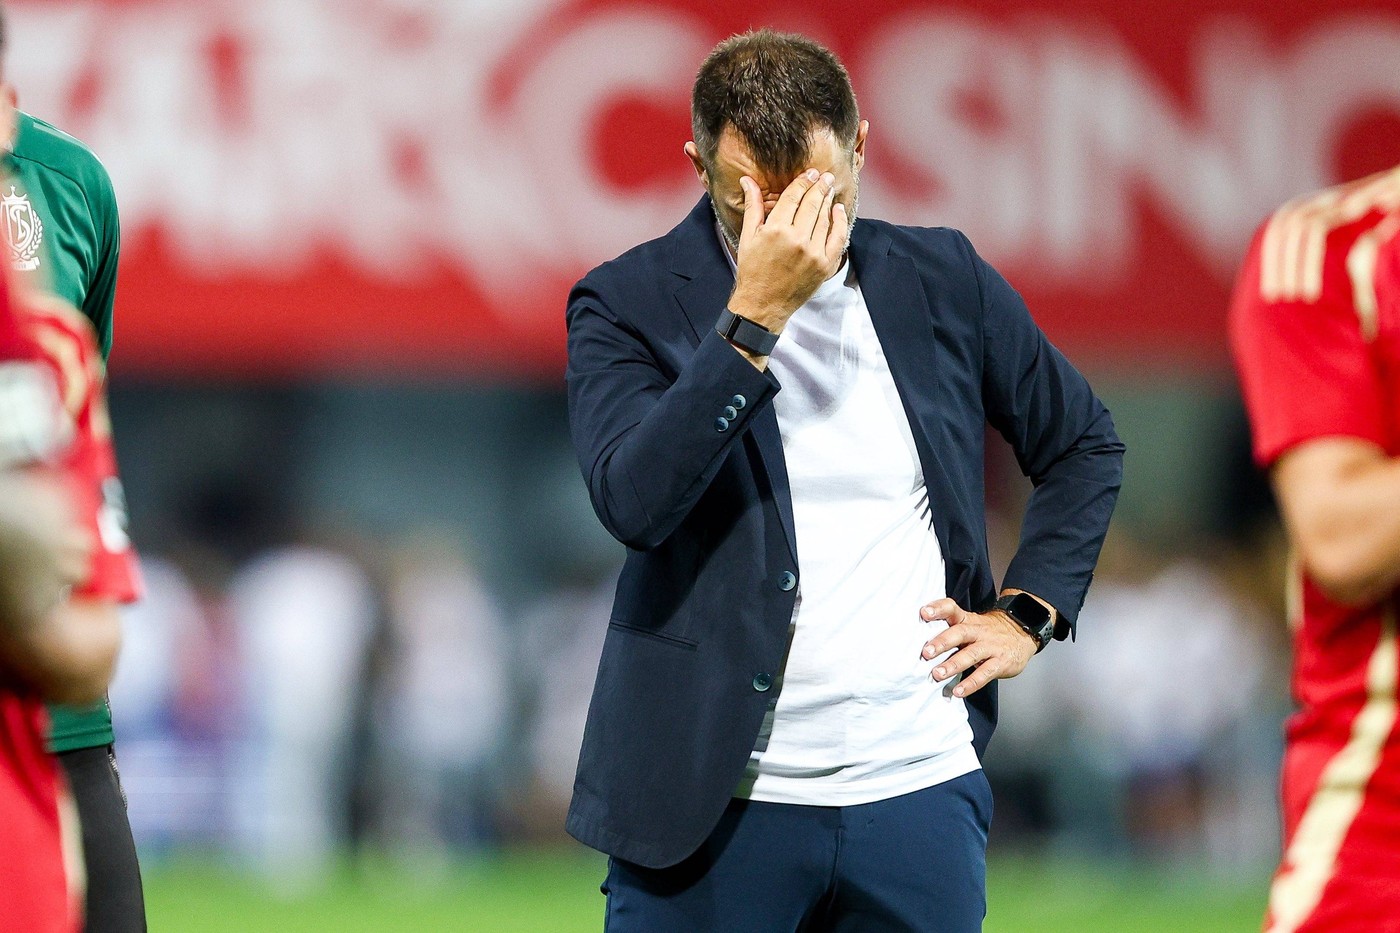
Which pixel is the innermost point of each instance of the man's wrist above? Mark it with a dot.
(746, 334)
(1032, 615)
(767, 314)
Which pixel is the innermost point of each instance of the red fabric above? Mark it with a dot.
(1305, 368)
(15, 344)
(89, 464)
(33, 879)
(1310, 369)
(34, 895)
(1363, 893)
(34, 889)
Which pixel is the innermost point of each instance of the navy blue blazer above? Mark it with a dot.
(678, 441)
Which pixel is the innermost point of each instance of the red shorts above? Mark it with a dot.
(35, 895)
(1341, 808)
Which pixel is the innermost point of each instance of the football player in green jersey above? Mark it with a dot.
(59, 217)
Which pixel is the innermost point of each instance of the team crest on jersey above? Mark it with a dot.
(24, 230)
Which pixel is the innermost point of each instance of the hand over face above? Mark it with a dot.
(785, 257)
(996, 646)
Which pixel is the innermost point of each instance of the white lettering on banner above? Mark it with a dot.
(389, 137)
(1085, 126)
(559, 104)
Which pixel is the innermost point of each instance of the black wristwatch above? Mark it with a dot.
(745, 334)
(1029, 613)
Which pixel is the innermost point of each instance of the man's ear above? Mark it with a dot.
(858, 150)
(9, 101)
(693, 151)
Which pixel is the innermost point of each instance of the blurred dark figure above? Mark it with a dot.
(441, 723)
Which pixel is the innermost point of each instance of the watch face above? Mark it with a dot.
(1030, 611)
(1031, 616)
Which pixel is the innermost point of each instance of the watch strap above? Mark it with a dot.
(745, 334)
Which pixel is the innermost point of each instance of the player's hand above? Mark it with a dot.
(996, 646)
(785, 257)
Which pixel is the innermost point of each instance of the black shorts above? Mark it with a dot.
(115, 903)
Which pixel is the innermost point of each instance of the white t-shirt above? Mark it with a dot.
(856, 717)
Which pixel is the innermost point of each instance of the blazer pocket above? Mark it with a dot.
(663, 637)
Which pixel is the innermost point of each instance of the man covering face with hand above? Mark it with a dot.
(780, 411)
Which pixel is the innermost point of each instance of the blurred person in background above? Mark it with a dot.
(61, 631)
(1140, 750)
(1315, 330)
(172, 702)
(303, 615)
(449, 653)
(751, 710)
(563, 641)
(63, 237)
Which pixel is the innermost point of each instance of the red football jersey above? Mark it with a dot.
(87, 463)
(44, 345)
(1315, 330)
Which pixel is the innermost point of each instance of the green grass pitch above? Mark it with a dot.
(557, 892)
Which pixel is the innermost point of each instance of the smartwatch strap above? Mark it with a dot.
(745, 334)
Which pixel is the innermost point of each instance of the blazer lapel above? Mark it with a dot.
(908, 334)
(764, 433)
(698, 260)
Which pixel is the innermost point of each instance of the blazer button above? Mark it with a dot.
(761, 682)
(786, 581)
(731, 412)
(721, 425)
(739, 402)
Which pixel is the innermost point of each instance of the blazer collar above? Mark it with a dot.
(698, 259)
(898, 308)
(910, 334)
(869, 247)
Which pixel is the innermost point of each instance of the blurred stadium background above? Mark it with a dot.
(353, 697)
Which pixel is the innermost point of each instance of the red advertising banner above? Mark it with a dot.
(410, 186)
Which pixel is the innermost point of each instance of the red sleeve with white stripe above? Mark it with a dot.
(1304, 364)
(88, 464)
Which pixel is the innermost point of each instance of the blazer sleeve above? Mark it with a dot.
(1064, 441)
(649, 444)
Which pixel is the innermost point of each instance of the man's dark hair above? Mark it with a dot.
(775, 89)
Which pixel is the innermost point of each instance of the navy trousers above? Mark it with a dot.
(915, 863)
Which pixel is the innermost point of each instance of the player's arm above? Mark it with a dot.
(1319, 410)
(62, 648)
(1340, 499)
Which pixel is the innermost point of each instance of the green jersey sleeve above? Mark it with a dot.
(102, 291)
